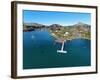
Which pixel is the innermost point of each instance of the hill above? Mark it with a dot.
(79, 30)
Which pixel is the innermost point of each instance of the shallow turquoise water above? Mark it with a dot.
(40, 51)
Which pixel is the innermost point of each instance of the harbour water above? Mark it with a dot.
(40, 51)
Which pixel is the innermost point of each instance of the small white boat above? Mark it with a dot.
(32, 36)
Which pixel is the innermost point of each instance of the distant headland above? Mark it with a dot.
(79, 30)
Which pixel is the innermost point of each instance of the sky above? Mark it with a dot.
(52, 17)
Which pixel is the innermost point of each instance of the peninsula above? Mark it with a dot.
(79, 30)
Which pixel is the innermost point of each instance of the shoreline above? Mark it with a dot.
(65, 39)
(75, 39)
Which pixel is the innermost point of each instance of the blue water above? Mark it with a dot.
(40, 51)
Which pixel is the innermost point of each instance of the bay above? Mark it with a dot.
(40, 51)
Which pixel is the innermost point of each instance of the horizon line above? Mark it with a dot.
(55, 23)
